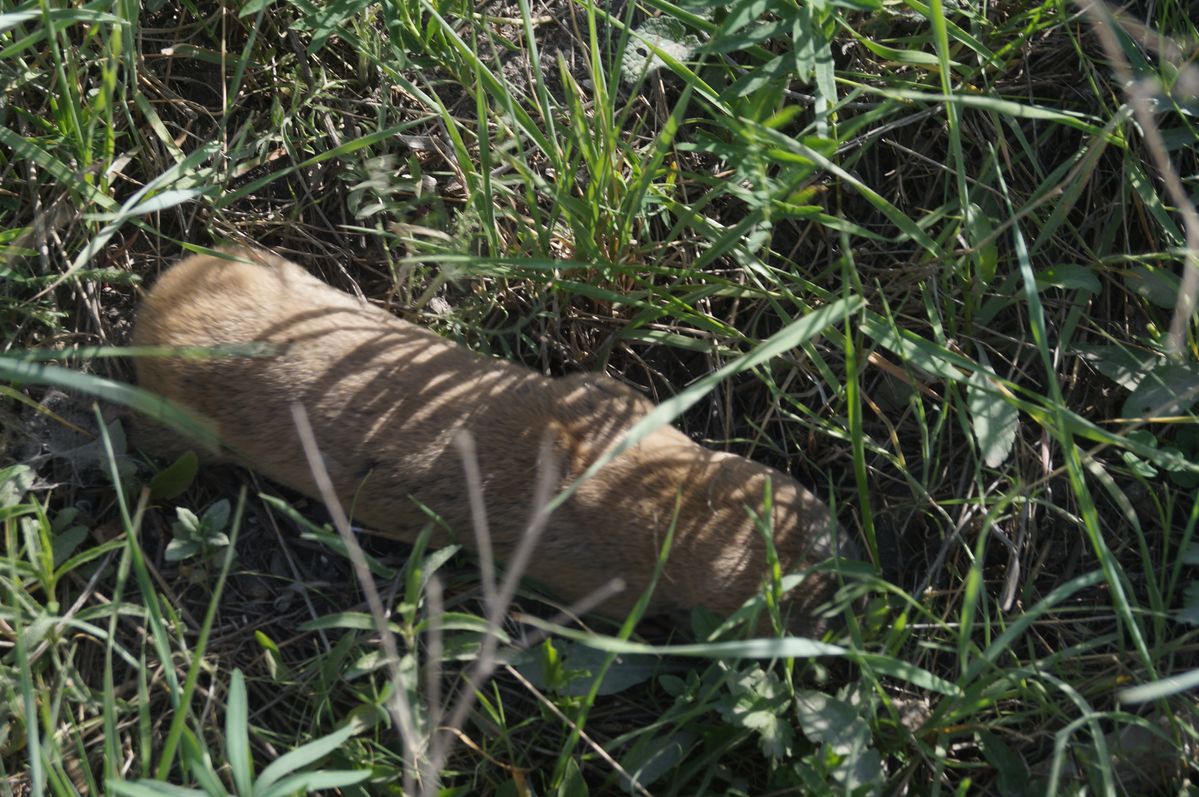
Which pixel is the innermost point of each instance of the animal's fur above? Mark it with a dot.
(386, 398)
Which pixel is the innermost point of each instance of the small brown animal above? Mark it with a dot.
(386, 398)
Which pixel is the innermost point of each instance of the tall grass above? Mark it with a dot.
(937, 260)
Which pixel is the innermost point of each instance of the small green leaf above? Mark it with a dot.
(252, 7)
(993, 420)
(826, 720)
(1138, 465)
(656, 37)
(216, 518)
(672, 685)
(837, 726)
(572, 784)
(65, 543)
(179, 550)
(275, 662)
(756, 703)
(1183, 478)
(15, 481)
(173, 481)
(186, 522)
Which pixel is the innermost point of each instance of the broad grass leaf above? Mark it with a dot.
(1012, 770)
(1147, 192)
(649, 761)
(163, 200)
(326, 19)
(1121, 364)
(252, 7)
(14, 18)
(744, 13)
(1070, 276)
(463, 621)
(993, 420)
(1169, 389)
(1189, 613)
(16, 369)
(580, 663)
(898, 55)
(791, 647)
(237, 735)
(776, 69)
(64, 175)
(358, 621)
(197, 761)
(789, 337)
(308, 754)
(308, 782)
(911, 348)
(1156, 690)
(752, 35)
(327, 538)
(981, 235)
(150, 788)
(1156, 286)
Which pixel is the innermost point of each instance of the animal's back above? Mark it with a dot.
(386, 399)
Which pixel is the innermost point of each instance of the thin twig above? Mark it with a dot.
(485, 661)
(1103, 20)
(594, 745)
(400, 708)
